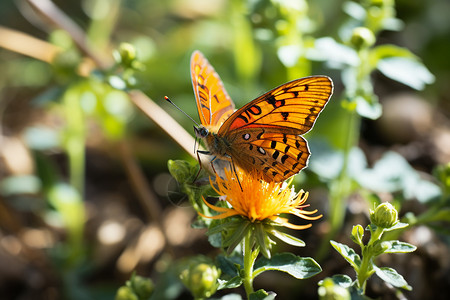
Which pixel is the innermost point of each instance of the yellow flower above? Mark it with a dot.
(259, 200)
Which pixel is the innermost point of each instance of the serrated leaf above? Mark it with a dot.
(287, 238)
(296, 266)
(405, 70)
(399, 247)
(262, 295)
(392, 277)
(348, 253)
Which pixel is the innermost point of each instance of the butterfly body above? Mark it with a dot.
(265, 134)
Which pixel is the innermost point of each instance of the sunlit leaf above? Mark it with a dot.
(348, 253)
(262, 295)
(399, 247)
(333, 53)
(392, 277)
(407, 71)
(369, 109)
(296, 266)
(287, 238)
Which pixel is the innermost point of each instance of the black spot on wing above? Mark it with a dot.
(276, 154)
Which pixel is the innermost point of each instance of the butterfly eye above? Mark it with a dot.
(201, 132)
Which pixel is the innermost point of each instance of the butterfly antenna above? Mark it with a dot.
(170, 101)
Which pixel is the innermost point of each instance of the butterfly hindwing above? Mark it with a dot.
(213, 102)
(292, 107)
(276, 155)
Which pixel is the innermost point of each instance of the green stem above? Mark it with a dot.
(341, 187)
(249, 260)
(365, 270)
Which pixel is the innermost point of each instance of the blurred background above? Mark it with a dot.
(86, 197)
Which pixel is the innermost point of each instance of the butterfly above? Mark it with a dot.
(265, 134)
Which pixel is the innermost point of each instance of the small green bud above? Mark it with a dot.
(357, 234)
(143, 287)
(362, 37)
(125, 293)
(332, 291)
(136, 288)
(201, 278)
(127, 54)
(384, 216)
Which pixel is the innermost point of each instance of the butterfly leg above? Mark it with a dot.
(200, 163)
(234, 170)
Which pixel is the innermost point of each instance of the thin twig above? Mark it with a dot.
(53, 15)
(25, 44)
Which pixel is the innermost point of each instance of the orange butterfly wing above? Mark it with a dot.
(213, 103)
(265, 134)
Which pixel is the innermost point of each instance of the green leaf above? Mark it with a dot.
(230, 284)
(388, 51)
(343, 280)
(231, 297)
(348, 253)
(405, 70)
(228, 265)
(340, 279)
(399, 225)
(370, 109)
(399, 247)
(181, 170)
(392, 277)
(355, 10)
(262, 295)
(287, 238)
(333, 53)
(263, 240)
(296, 266)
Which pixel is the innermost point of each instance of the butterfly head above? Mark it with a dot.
(201, 131)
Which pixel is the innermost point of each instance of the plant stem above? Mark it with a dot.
(341, 187)
(249, 259)
(365, 270)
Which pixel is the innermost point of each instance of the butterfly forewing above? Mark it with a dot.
(213, 103)
(292, 107)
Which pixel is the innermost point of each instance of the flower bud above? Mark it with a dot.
(125, 293)
(137, 287)
(362, 37)
(384, 216)
(200, 278)
(127, 53)
(143, 287)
